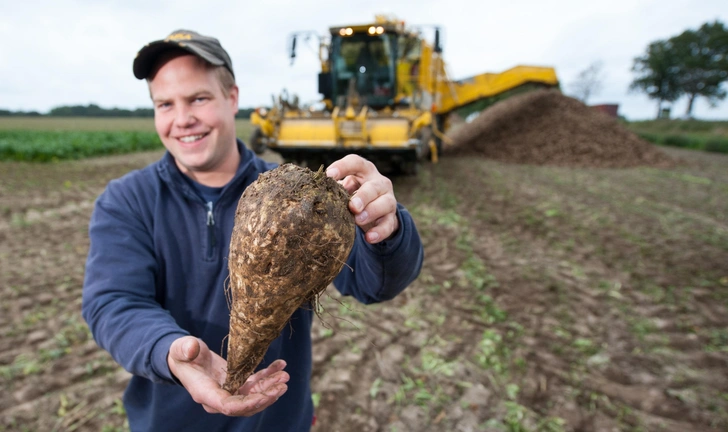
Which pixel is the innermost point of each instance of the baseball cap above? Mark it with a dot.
(205, 47)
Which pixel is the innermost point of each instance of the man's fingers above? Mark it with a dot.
(200, 371)
(382, 229)
(210, 396)
(361, 176)
(370, 191)
(350, 165)
(381, 206)
(264, 385)
(254, 403)
(220, 401)
(373, 202)
(272, 369)
(351, 184)
(210, 409)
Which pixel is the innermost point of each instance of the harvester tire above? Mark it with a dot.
(409, 168)
(257, 143)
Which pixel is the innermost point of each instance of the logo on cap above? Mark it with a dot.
(178, 36)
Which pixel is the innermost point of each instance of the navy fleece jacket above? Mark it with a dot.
(156, 271)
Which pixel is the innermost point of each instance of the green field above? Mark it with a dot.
(76, 124)
(46, 139)
(692, 134)
(43, 139)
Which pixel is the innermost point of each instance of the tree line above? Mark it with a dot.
(692, 64)
(93, 110)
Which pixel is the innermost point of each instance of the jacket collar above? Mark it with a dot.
(170, 174)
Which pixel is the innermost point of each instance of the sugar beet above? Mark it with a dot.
(292, 235)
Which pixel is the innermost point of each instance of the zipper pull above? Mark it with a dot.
(210, 217)
(210, 230)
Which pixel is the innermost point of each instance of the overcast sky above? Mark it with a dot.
(66, 52)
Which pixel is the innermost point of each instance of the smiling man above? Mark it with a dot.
(194, 114)
(154, 289)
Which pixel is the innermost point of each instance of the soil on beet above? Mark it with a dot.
(551, 298)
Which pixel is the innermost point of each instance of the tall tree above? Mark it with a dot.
(657, 73)
(588, 83)
(702, 57)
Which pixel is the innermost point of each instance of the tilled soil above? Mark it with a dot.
(552, 298)
(547, 128)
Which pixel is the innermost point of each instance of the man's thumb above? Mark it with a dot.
(188, 348)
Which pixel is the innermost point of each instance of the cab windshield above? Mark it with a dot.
(369, 62)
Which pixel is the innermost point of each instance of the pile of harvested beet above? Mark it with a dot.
(545, 127)
(292, 235)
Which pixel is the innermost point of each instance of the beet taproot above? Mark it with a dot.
(292, 235)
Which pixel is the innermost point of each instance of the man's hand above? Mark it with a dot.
(202, 373)
(373, 202)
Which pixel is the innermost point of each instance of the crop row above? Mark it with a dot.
(711, 144)
(48, 146)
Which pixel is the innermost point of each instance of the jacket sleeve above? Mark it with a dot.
(119, 302)
(376, 273)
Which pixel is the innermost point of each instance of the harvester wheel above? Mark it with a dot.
(257, 143)
(409, 168)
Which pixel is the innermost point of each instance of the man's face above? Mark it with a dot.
(192, 115)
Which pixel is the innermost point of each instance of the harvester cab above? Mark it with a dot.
(386, 96)
(364, 64)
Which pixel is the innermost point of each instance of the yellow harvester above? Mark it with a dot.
(386, 96)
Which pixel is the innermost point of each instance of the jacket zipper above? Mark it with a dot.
(210, 230)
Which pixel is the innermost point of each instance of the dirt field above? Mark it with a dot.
(552, 298)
